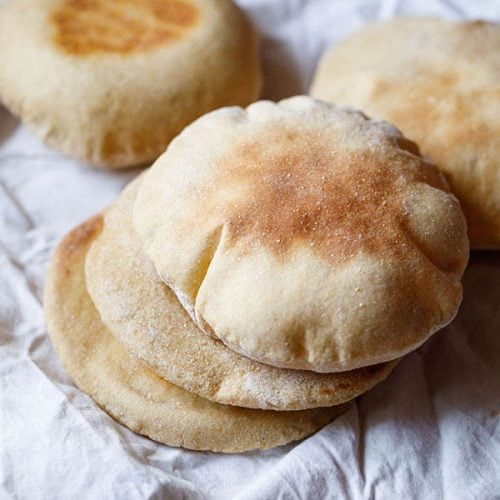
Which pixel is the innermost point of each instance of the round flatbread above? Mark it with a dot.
(145, 315)
(304, 235)
(439, 82)
(133, 394)
(112, 82)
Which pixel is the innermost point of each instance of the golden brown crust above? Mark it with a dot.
(340, 205)
(77, 241)
(84, 27)
(132, 393)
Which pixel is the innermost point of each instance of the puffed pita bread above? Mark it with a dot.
(439, 82)
(304, 235)
(112, 82)
(144, 314)
(133, 394)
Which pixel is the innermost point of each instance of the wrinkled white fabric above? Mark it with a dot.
(430, 431)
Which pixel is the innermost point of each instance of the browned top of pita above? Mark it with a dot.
(338, 203)
(84, 27)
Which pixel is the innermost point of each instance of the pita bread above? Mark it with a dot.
(144, 314)
(112, 82)
(439, 82)
(136, 396)
(304, 235)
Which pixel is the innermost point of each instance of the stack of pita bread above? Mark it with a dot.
(274, 263)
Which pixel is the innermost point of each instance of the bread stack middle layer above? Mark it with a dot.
(146, 316)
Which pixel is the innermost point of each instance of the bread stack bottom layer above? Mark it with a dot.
(132, 393)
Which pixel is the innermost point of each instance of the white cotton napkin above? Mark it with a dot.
(431, 431)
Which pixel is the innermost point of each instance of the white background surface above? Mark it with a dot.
(432, 430)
